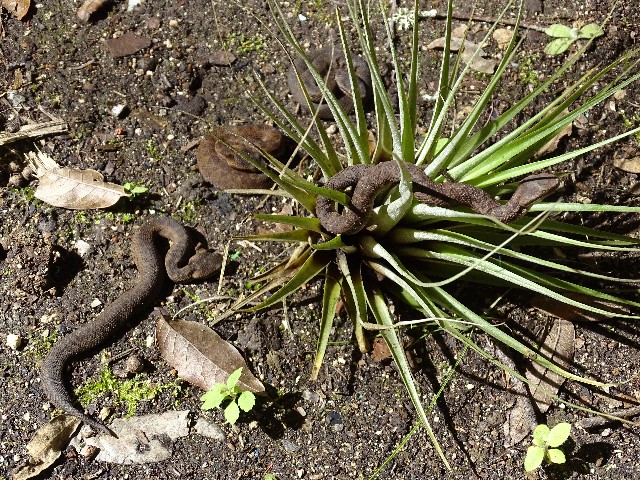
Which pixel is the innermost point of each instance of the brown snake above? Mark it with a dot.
(331, 64)
(152, 265)
(368, 181)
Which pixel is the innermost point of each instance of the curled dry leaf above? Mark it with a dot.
(90, 7)
(631, 165)
(17, 8)
(46, 445)
(72, 188)
(479, 63)
(200, 356)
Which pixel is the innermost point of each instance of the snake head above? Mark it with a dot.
(204, 264)
(534, 188)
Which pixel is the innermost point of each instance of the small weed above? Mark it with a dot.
(238, 399)
(130, 391)
(40, 345)
(564, 36)
(135, 189)
(527, 73)
(545, 441)
(153, 150)
(244, 44)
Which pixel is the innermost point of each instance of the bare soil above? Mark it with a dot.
(356, 415)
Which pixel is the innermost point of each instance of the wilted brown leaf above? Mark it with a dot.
(17, 8)
(200, 356)
(46, 445)
(478, 63)
(72, 188)
(89, 7)
(631, 165)
(557, 344)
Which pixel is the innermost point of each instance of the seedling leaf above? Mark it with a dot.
(557, 46)
(560, 31)
(246, 401)
(233, 378)
(232, 413)
(534, 458)
(540, 435)
(558, 435)
(556, 456)
(591, 30)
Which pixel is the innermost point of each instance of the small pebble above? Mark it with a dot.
(14, 341)
(96, 303)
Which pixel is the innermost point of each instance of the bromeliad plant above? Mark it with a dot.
(407, 244)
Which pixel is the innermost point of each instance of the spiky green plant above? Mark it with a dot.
(412, 241)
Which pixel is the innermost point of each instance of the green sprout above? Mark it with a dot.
(413, 252)
(134, 189)
(238, 399)
(544, 449)
(564, 36)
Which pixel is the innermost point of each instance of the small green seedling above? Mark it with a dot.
(545, 441)
(134, 189)
(565, 36)
(270, 476)
(229, 391)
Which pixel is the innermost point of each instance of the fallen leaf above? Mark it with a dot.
(552, 144)
(89, 7)
(631, 165)
(17, 8)
(127, 44)
(200, 356)
(46, 445)
(142, 439)
(478, 63)
(557, 344)
(380, 351)
(72, 188)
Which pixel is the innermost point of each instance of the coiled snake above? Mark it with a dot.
(368, 181)
(140, 297)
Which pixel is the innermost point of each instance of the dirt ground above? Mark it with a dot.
(346, 424)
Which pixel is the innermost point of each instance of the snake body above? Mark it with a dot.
(367, 181)
(151, 265)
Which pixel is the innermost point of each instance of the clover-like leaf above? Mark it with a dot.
(556, 456)
(560, 31)
(591, 30)
(534, 458)
(557, 46)
(246, 401)
(558, 434)
(232, 413)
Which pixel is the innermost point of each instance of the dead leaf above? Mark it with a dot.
(631, 165)
(143, 439)
(380, 350)
(479, 63)
(17, 8)
(200, 356)
(46, 445)
(552, 144)
(127, 44)
(72, 188)
(557, 344)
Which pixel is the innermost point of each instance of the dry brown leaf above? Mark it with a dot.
(557, 345)
(200, 356)
(380, 350)
(46, 445)
(127, 44)
(479, 62)
(72, 188)
(631, 165)
(17, 8)
(552, 144)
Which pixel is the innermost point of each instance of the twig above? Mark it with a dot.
(481, 18)
(600, 421)
(34, 130)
